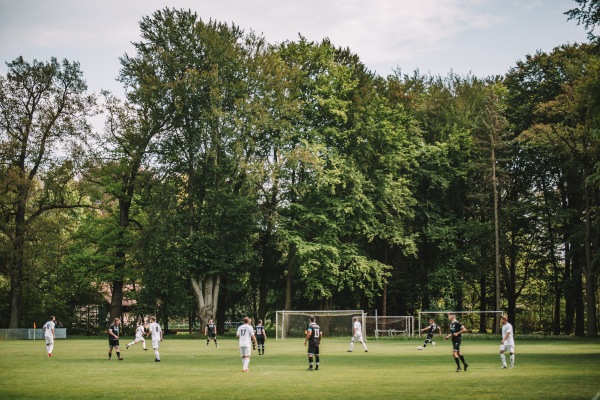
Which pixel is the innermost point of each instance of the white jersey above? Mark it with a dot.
(245, 333)
(156, 331)
(506, 328)
(140, 331)
(48, 328)
(357, 329)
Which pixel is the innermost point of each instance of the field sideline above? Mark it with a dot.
(562, 369)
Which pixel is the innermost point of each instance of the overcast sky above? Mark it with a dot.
(482, 37)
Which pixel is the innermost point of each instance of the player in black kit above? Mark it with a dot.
(211, 332)
(261, 336)
(431, 330)
(456, 330)
(113, 339)
(313, 338)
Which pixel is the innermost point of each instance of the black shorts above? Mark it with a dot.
(429, 336)
(313, 349)
(456, 346)
(260, 339)
(212, 335)
(113, 342)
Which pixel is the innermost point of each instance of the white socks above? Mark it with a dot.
(156, 354)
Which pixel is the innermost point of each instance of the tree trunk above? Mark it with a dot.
(496, 236)
(16, 276)
(588, 270)
(206, 291)
(483, 304)
(290, 268)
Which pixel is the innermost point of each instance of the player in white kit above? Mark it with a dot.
(157, 336)
(245, 333)
(139, 337)
(508, 342)
(357, 335)
(49, 335)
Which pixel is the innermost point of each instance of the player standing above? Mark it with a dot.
(245, 333)
(508, 342)
(261, 336)
(49, 335)
(157, 336)
(210, 330)
(357, 335)
(113, 339)
(313, 338)
(456, 330)
(431, 330)
(139, 337)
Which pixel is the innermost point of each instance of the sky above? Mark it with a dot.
(479, 37)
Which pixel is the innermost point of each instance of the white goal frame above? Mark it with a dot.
(280, 318)
(457, 312)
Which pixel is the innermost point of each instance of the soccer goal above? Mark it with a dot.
(292, 324)
(474, 321)
(390, 326)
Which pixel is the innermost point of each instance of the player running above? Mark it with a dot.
(139, 337)
(431, 330)
(357, 335)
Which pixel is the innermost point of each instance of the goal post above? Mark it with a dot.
(390, 326)
(474, 320)
(293, 324)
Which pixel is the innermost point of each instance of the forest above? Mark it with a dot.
(237, 177)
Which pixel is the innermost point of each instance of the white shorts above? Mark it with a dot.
(49, 339)
(357, 337)
(139, 339)
(507, 348)
(155, 344)
(245, 351)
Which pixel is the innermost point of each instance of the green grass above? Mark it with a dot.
(390, 370)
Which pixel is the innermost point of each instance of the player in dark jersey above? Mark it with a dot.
(210, 330)
(261, 336)
(313, 339)
(431, 330)
(113, 339)
(456, 330)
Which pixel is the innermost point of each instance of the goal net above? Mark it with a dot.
(390, 326)
(474, 321)
(293, 324)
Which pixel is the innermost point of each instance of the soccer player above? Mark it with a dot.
(357, 335)
(49, 335)
(139, 337)
(431, 330)
(313, 339)
(157, 336)
(113, 339)
(261, 336)
(245, 333)
(507, 343)
(210, 330)
(456, 330)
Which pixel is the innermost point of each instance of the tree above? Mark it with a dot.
(43, 109)
(588, 15)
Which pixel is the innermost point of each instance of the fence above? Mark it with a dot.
(30, 334)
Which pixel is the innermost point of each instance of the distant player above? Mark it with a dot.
(139, 337)
(357, 335)
(157, 336)
(456, 330)
(507, 343)
(261, 336)
(113, 339)
(431, 330)
(210, 330)
(313, 339)
(245, 333)
(49, 335)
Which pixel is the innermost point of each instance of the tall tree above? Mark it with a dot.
(43, 108)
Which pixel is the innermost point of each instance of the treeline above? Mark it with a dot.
(240, 177)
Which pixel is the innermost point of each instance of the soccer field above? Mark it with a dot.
(562, 369)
